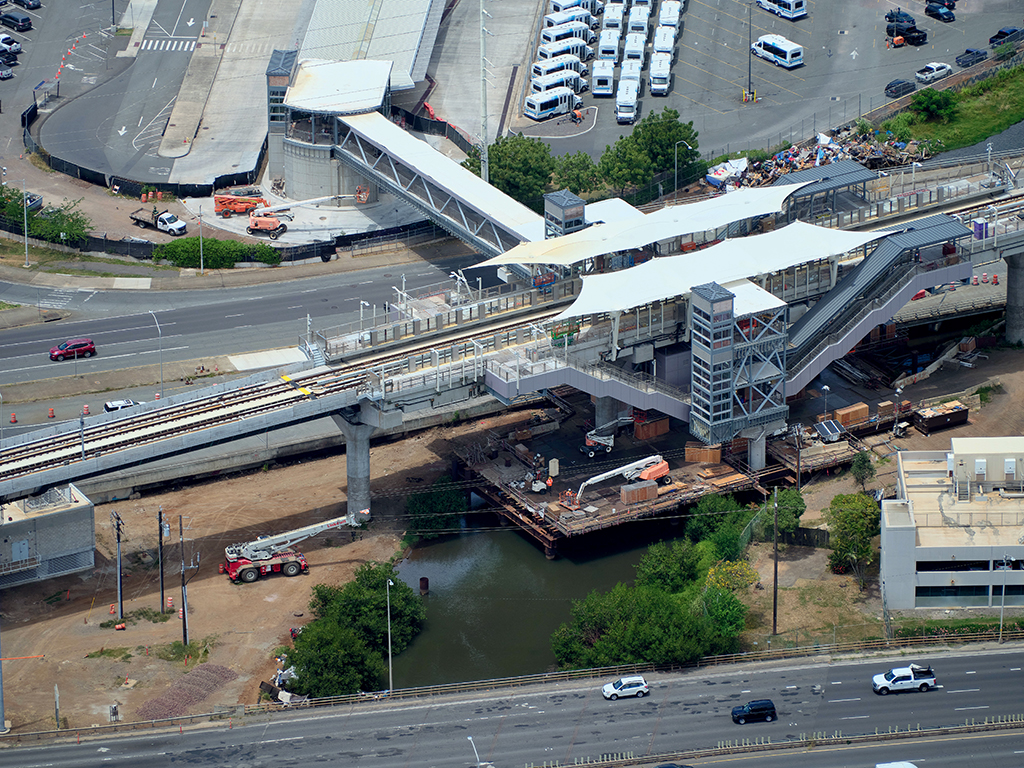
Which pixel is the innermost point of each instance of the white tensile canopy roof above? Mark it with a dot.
(729, 260)
(669, 222)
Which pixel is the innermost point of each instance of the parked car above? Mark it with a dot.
(5, 71)
(118, 405)
(8, 58)
(73, 348)
(1005, 35)
(634, 685)
(970, 57)
(932, 72)
(909, 32)
(760, 709)
(29, 5)
(912, 678)
(898, 88)
(899, 15)
(8, 44)
(940, 12)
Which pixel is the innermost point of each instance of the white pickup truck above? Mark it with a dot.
(912, 678)
(165, 221)
(934, 71)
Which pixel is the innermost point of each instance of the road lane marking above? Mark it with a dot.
(855, 717)
(277, 741)
(964, 709)
(838, 701)
(238, 315)
(965, 690)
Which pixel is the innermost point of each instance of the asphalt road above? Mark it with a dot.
(570, 722)
(847, 66)
(199, 323)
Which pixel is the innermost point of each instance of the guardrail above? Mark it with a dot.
(476, 686)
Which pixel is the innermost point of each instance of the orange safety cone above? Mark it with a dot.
(120, 626)
(113, 608)
(50, 415)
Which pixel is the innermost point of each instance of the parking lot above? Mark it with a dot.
(847, 65)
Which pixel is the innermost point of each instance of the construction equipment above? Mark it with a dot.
(267, 219)
(225, 205)
(272, 554)
(603, 438)
(654, 466)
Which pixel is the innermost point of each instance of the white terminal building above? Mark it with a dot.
(952, 537)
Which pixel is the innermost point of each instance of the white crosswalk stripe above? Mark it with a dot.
(184, 46)
(57, 299)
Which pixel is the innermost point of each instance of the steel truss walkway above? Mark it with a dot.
(449, 195)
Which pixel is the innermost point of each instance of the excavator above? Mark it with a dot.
(248, 561)
(651, 468)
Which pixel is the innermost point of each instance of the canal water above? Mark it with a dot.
(495, 600)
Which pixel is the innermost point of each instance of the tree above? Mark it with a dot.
(934, 105)
(577, 173)
(853, 519)
(438, 510)
(862, 469)
(625, 164)
(658, 135)
(725, 611)
(731, 575)
(50, 223)
(707, 514)
(668, 567)
(520, 167)
(332, 660)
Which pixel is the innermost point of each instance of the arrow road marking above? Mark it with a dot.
(122, 131)
(191, 22)
(854, 54)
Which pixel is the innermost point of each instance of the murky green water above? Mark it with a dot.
(495, 600)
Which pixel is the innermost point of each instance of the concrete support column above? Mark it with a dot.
(357, 462)
(606, 410)
(417, 327)
(374, 337)
(412, 363)
(439, 321)
(498, 345)
(755, 452)
(1014, 298)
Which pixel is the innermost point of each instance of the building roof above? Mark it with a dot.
(281, 63)
(825, 178)
(400, 31)
(733, 259)
(1013, 444)
(668, 223)
(339, 87)
(751, 298)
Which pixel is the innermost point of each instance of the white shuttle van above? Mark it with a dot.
(639, 20)
(626, 102)
(602, 82)
(608, 46)
(787, 9)
(779, 51)
(660, 74)
(557, 64)
(564, 79)
(572, 45)
(594, 6)
(564, 31)
(665, 40)
(668, 14)
(614, 17)
(557, 101)
(635, 49)
(570, 14)
(630, 70)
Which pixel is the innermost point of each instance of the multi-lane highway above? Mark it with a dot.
(570, 722)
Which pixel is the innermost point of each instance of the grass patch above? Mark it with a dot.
(6, 305)
(12, 254)
(139, 614)
(984, 109)
(985, 393)
(117, 654)
(952, 628)
(196, 652)
(124, 31)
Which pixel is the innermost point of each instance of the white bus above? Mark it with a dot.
(778, 50)
(603, 80)
(565, 78)
(563, 31)
(787, 9)
(557, 101)
(557, 64)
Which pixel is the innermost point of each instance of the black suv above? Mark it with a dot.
(761, 709)
(898, 88)
(901, 16)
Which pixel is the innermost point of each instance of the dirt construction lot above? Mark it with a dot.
(243, 624)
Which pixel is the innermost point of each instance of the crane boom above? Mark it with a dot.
(629, 471)
(267, 547)
(312, 201)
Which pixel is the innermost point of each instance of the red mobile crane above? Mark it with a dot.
(272, 554)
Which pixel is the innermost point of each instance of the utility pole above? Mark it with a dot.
(750, 42)
(775, 581)
(116, 521)
(184, 605)
(484, 161)
(160, 526)
(56, 705)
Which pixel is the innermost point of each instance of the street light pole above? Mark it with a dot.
(475, 753)
(24, 223)
(750, 42)
(675, 191)
(391, 682)
(161, 333)
(201, 270)
(1002, 601)
(824, 391)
